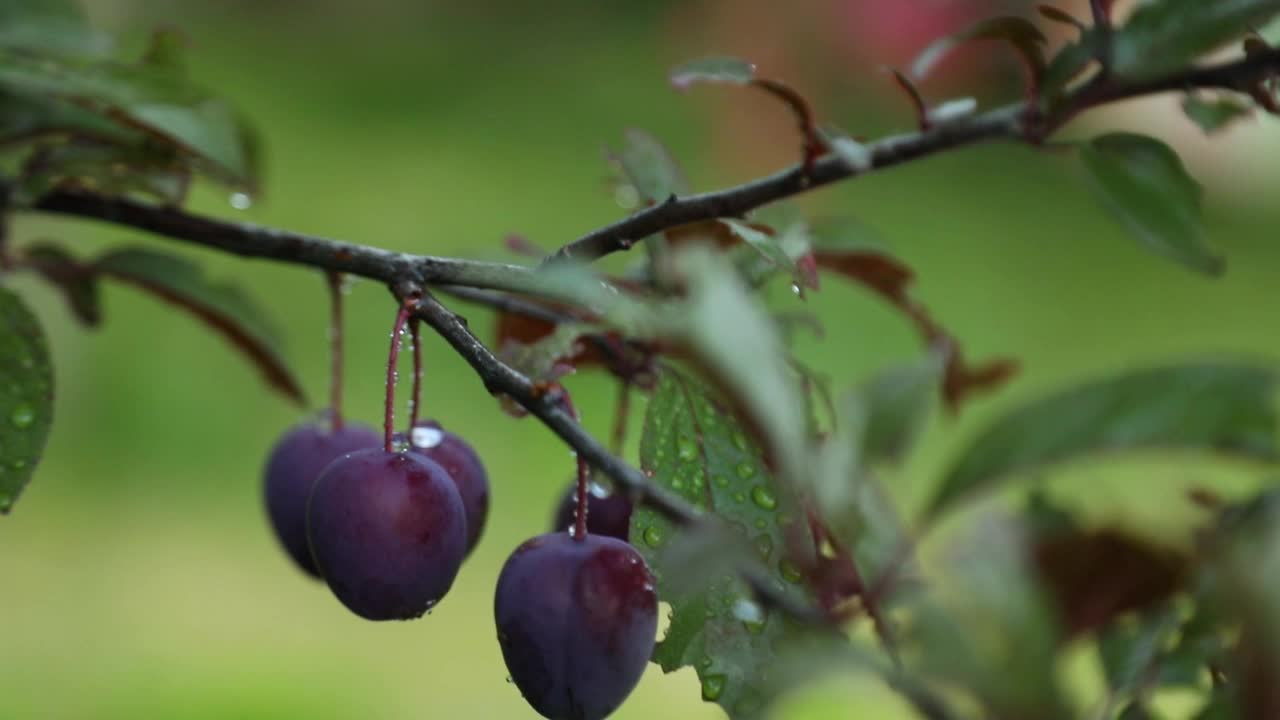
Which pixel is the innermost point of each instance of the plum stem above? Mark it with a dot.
(393, 356)
(416, 400)
(580, 502)
(335, 349)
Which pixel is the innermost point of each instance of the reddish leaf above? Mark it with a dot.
(1094, 576)
(517, 333)
(223, 307)
(78, 282)
(890, 279)
(715, 231)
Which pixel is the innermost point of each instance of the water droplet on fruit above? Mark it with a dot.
(789, 571)
(652, 536)
(745, 470)
(22, 416)
(426, 437)
(240, 201)
(763, 497)
(712, 687)
(686, 449)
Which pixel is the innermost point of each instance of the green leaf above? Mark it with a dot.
(1071, 61)
(26, 396)
(1218, 406)
(78, 282)
(898, 402)
(1131, 651)
(716, 69)
(549, 358)
(111, 169)
(695, 447)
(648, 166)
(44, 25)
(223, 307)
(1019, 32)
(1213, 115)
(1143, 182)
(738, 343)
(1165, 35)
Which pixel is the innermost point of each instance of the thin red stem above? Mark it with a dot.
(393, 357)
(335, 349)
(580, 506)
(417, 374)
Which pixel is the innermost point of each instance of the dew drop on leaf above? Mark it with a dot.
(22, 416)
(763, 497)
(721, 481)
(240, 201)
(652, 536)
(712, 687)
(745, 470)
(739, 497)
(764, 544)
(686, 449)
(790, 572)
(739, 440)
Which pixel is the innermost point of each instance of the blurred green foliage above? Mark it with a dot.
(138, 575)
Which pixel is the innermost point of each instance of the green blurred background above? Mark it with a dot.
(138, 577)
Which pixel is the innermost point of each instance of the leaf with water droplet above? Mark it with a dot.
(26, 409)
(223, 307)
(728, 477)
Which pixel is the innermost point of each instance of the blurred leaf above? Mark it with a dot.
(1222, 705)
(29, 116)
(718, 69)
(554, 355)
(1224, 407)
(81, 164)
(1165, 35)
(44, 25)
(1213, 115)
(1070, 61)
(1019, 32)
(1130, 651)
(695, 447)
(1143, 183)
(1098, 575)
(1061, 16)
(648, 166)
(987, 628)
(225, 308)
(738, 344)
(26, 396)
(898, 402)
(153, 100)
(78, 282)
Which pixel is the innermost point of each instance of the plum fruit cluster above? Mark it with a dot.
(387, 519)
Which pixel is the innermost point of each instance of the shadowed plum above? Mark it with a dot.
(607, 514)
(462, 463)
(291, 471)
(388, 532)
(576, 620)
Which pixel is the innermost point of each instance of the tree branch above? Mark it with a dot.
(1007, 123)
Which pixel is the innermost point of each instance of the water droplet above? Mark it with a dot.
(745, 470)
(720, 481)
(426, 437)
(739, 497)
(18, 464)
(22, 416)
(739, 440)
(712, 687)
(686, 449)
(789, 571)
(761, 523)
(764, 544)
(763, 497)
(240, 201)
(705, 662)
(652, 536)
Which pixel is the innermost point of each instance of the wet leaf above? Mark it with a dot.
(1215, 114)
(1217, 406)
(1142, 182)
(1165, 35)
(1020, 33)
(718, 69)
(555, 354)
(695, 447)
(223, 307)
(26, 396)
(78, 282)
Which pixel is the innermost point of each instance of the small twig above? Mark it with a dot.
(335, 348)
